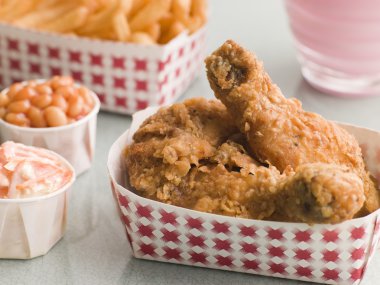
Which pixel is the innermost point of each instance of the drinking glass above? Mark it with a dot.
(338, 44)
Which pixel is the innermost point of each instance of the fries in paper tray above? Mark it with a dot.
(132, 53)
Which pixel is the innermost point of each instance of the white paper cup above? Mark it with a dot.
(75, 142)
(30, 227)
(323, 253)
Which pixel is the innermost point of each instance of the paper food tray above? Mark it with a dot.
(126, 77)
(329, 254)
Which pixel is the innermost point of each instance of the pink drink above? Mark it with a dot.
(338, 43)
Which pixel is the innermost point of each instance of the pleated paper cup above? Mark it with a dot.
(30, 227)
(323, 253)
(75, 142)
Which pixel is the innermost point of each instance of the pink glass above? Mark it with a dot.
(338, 44)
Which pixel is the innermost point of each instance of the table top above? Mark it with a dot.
(94, 249)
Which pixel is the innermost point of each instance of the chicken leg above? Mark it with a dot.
(278, 130)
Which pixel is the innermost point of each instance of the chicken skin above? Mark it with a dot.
(278, 130)
(315, 193)
(192, 155)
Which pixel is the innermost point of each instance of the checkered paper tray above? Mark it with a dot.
(330, 254)
(127, 77)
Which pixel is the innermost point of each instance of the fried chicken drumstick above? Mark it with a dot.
(278, 130)
(191, 155)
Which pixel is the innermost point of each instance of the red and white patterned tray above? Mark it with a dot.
(127, 77)
(330, 254)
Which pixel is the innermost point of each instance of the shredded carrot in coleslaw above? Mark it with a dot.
(28, 171)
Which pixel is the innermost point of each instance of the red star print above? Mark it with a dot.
(168, 218)
(198, 257)
(170, 236)
(54, 53)
(77, 75)
(102, 98)
(13, 45)
(33, 49)
(221, 227)
(304, 271)
(15, 64)
(330, 274)
(119, 82)
(144, 211)
(276, 251)
(96, 59)
(97, 79)
(224, 261)
(304, 254)
(304, 236)
(146, 231)
(141, 85)
(147, 249)
(251, 264)
(172, 253)
(248, 248)
(247, 231)
(35, 68)
(75, 56)
(141, 105)
(195, 223)
(222, 244)
(277, 268)
(118, 62)
(357, 233)
(196, 241)
(275, 233)
(55, 71)
(140, 65)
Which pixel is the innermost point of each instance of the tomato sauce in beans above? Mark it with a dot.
(56, 102)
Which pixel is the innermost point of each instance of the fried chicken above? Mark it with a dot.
(316, 193)
(192, 155)
(168, 143)
(278, 130)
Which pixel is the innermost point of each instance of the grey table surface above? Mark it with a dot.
(95, 250)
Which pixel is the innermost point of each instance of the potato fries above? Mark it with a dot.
(138, 21)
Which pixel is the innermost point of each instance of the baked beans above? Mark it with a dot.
(56, 102)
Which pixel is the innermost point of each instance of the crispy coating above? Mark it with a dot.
(278, 130)
(188, 155)
(192, 155)
(173, 140)
(316, 193)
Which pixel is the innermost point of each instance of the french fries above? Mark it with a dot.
(69, 21)
(149, 14)
(141, 38)
(138, 21)
(121, 27)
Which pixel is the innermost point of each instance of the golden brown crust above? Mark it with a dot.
(316, 193)
(191, 155)
(278, 129)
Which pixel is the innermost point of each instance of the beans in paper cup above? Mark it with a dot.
(74, 141)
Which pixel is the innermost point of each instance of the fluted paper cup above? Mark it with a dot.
(75, 142)
(323, 253)
(30, 227)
